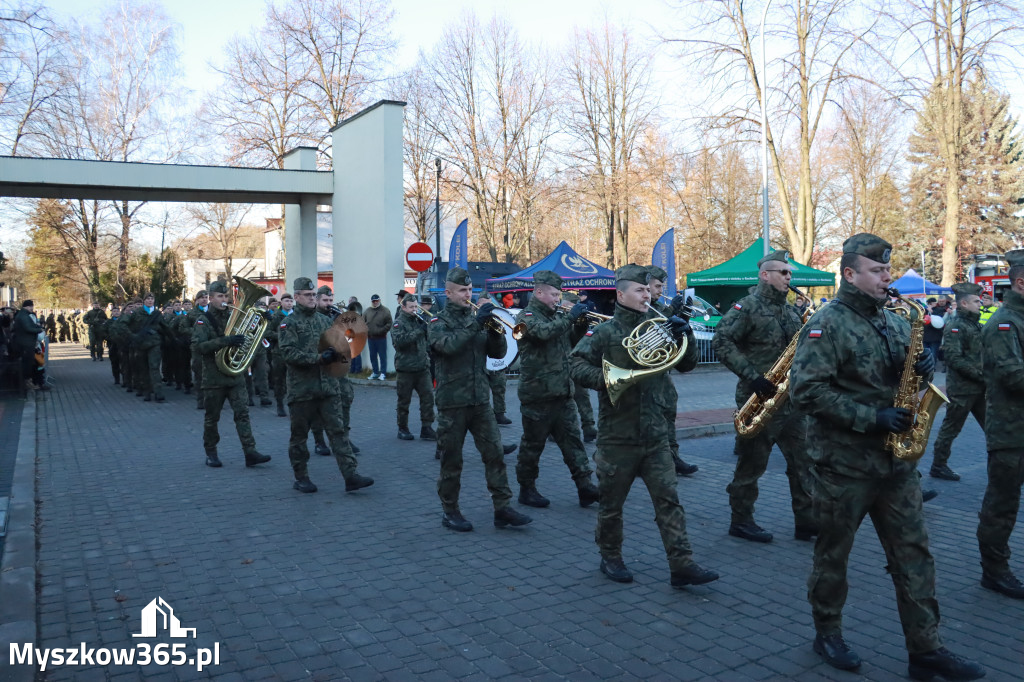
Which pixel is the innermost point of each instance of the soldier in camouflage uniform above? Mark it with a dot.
(94, 321)
(148, 329)
(1003, 350)
(112, 348)
(208, 337)
(202, 304)
(496, 379)
(256, 382)
(181, 328)
(461, 343)
(278, 368)
(412, 369)
(312, 392)
(965, 381)
(122, 336)
(545, 391)
(748, 340)
(324, 300)
(633, 434)
(658, 279)
(848, 364)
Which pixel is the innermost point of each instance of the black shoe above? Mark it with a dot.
(437, 453)
(684, 469)
(427, 433)
(805, 533)
(148, 398)
(177, 387)
(529, 496)
(252, 403)
(616, 570)
(750, 531)
(355, 450)
(199, 406)
(117, 382)
(256, 458)
(693, 574)
(502, 419)
(928, 495)
(322, 450)
(836, 652)
(943, 664)
(588, 494)
(944, 472)
(266, 402)
(304, 485)
(403, 434)
(456, 521)
(160, 399)
(508, 516)
(188, 390)
(1005, 583)
(357, 482)
(281, 411)
(589, 434)
(509, 449)
(213, 461)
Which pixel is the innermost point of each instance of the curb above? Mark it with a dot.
(704, 430)
(18, 570)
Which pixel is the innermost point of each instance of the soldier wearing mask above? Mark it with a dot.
(848, 365)
(112, 347)
(277, 364)
(148, 329)
(94, 320)
(412, 369)
(633, 434)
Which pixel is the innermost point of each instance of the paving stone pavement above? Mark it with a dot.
(368, 586)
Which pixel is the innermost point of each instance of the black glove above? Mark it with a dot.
(328, 356)
(266, 314)
(678, 306)
(925, 364)
(893, 419)
(484, 312)
(678, 326)
(234, 340)
(763, 388)
(577, 311)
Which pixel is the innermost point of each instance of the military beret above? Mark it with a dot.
(570, 297)
(967, 289)
(657, 273)
(324, 291)
(27, 303)
(781, 256)
(633, 273)
(459, 276)
(484, 296)
(202, 293)
(302, 284)
(869, 246)
(408, 298)
(218, 287)
(1015, 257)
(548, 277)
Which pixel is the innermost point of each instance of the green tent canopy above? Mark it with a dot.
(741, 271)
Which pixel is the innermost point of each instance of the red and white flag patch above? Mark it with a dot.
(814, 334)
(1004, 326)
(433, 319)
(954, 330)
(283, 325)
(590, 332)
(199, 321)
(737, 306)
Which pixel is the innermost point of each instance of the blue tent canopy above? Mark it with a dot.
(913, 284)
(576, 272)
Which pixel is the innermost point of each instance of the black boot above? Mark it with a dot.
(684, 469)
(322, 450)
(928, 495)
(529, 496)
(356, 482)
(1004, 583)
(254, 458)
(403, 433)
(427, 433)
(507, 516)
(266, 402)
(616, 570)
(188, 390)
(588, 493)
(509, 448)
(304, 485)
(805, 533)
(456, 521)
(692, 574)
(944, 472)
(589, 434)
(148, 398)
(836, 652)
(280, 409)
(212, 460)
(750, 531)
(943, 664)
(502, 419)
(355, 450)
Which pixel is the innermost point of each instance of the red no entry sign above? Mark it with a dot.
(419, 257)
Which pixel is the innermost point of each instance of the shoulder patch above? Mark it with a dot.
(954, 330)
(283, 325)
(434, 319)
(394, 326)
(737, 306)
(1005, 326)
(199, 321)
(814, 334)
(590, 332)
(527, 314)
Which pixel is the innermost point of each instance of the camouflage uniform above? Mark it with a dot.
(633, 434)
(278, 368)
(412, 368)
(545, 391)
(181, 330)
(659, 309)
(94, 320)
(148, 328)
(581, 396)
(1003, 343)
(461, 346)
(847, 368)
(197, 360)
(122, 337)
(965, 381)
(113, 350)
(497, 382)
(748, 340)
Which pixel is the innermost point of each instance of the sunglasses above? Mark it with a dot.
(784, 272)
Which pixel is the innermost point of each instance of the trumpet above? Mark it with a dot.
(592, 318)
(689, 310)
(493, 322)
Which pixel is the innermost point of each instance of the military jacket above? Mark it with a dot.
(752, 335)
(94, 316)
(119, 331)
(275, 324)
(847, 367)
(297, 337)
(461, 346)
(409, 337)
(544, 372)
(640, 415)
(106, 330)
(1003, 343)
(961, 347)
(146, 328)
(208, 338)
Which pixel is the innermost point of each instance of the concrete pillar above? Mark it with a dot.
(367, 208)
(300, 224)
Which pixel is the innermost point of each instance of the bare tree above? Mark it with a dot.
(421, 150)
(223, 224)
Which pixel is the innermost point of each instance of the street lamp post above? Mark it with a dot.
(437, 218)
(764, 137)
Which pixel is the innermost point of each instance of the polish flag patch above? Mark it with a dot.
(433, 319)
(814, 334)
(283, 325)
(527, 314)
(1004, 327)
(199, 321)
(737, 306)
(954, 330)
(590, 332)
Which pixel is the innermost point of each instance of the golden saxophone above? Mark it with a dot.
(756, 413)
(910, 445)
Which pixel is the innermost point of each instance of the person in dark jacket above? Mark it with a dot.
(25, 331)
(378, 324)
(412, 369)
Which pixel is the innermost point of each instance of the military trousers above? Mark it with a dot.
(149, 371)
(497, 381)
(327, 412)
(617, 467)
(278, 375)
(957, 410)
(999, 508)
(258, 374)
(115, 361)
(894, 505)
(790, 433)
(127, 366)
(556, 418)
(406, 383)
(95, 343)
(213, 401)
(183, 373)
(581, 395)
(197, 377)
(452, 426)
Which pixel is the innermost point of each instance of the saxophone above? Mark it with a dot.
(755, 414)
(910, 445)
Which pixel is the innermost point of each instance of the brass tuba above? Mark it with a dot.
(246, 320)
(910, 445)
(650, 345)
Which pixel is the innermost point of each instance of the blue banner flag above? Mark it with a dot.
(458, 251)
(664, 257)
